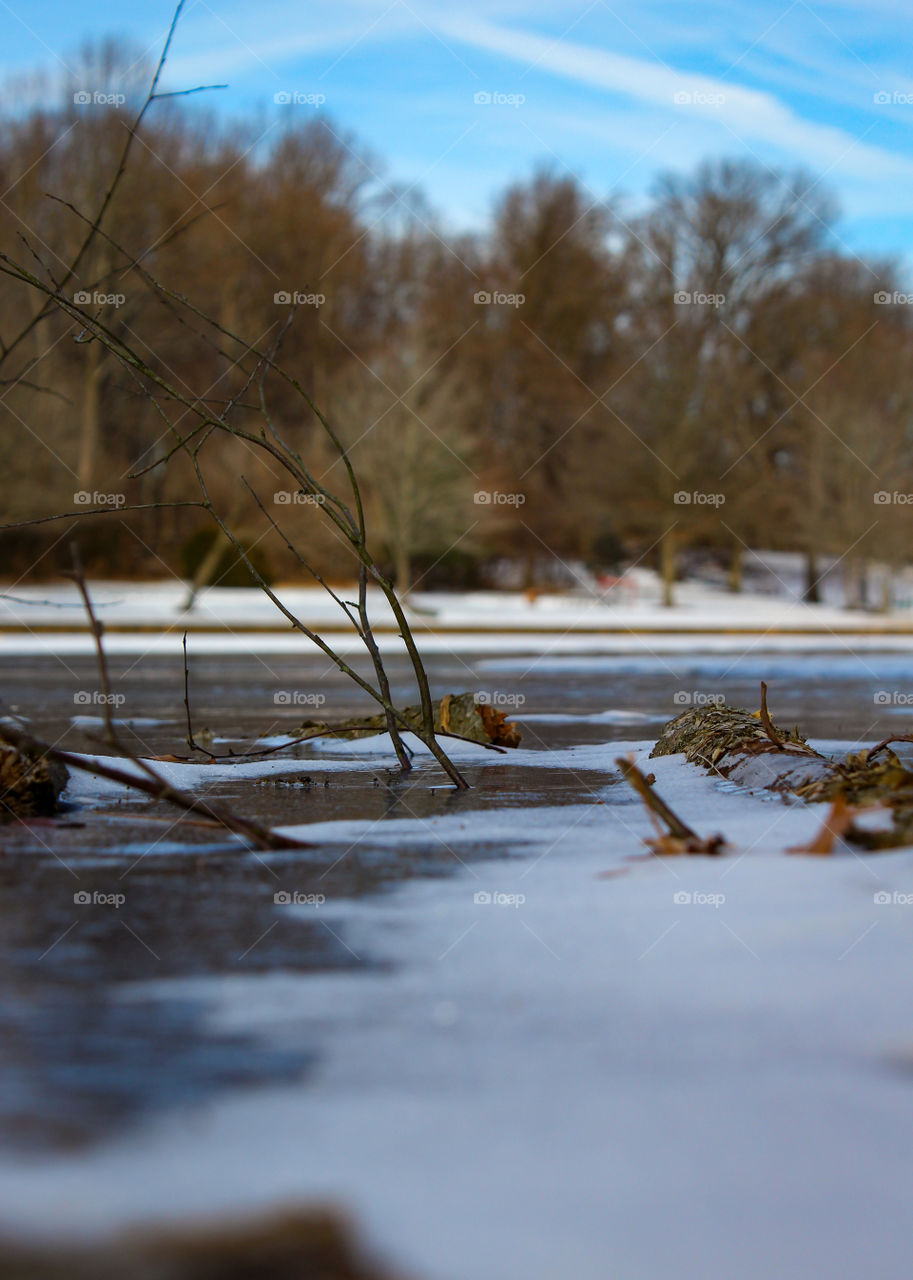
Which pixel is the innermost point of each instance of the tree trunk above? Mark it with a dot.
(206, 568)
(403, 570)
(667, 556)
(529, 572)
(887, 589)
(856, 585)
(862, 577)
(736, 563)
(812, 593)
(91, 408)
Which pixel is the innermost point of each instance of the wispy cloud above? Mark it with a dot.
(753, 115)
(233, 53)
(786, 81)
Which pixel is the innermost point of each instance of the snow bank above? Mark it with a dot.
(147, 617)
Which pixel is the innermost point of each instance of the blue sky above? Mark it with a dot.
(611, 92)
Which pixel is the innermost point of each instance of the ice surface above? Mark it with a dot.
(645, 1068)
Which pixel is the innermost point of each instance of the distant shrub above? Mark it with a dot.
(229, 570)
(456, 571)
(607, 551)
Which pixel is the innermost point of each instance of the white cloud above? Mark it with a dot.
(237, 55)
(748, 115)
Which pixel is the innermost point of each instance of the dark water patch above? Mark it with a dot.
(74, 1070)
(142, 896)
(385, 795)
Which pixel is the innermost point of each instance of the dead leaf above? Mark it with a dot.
(836, 824)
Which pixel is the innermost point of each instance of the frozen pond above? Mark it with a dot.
(199, 999)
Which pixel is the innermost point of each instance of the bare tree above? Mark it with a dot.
(249, 371)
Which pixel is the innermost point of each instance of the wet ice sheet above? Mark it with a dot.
(842, 659)
(445, 643)
(371, 753)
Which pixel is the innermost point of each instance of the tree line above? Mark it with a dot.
(578, 384)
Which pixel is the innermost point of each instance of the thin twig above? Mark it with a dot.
(97, 511)
(156, 784)
(260, 836)
(97, 630)
(190, 738)
(656, 806)
(766, 721)
(886, 742)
